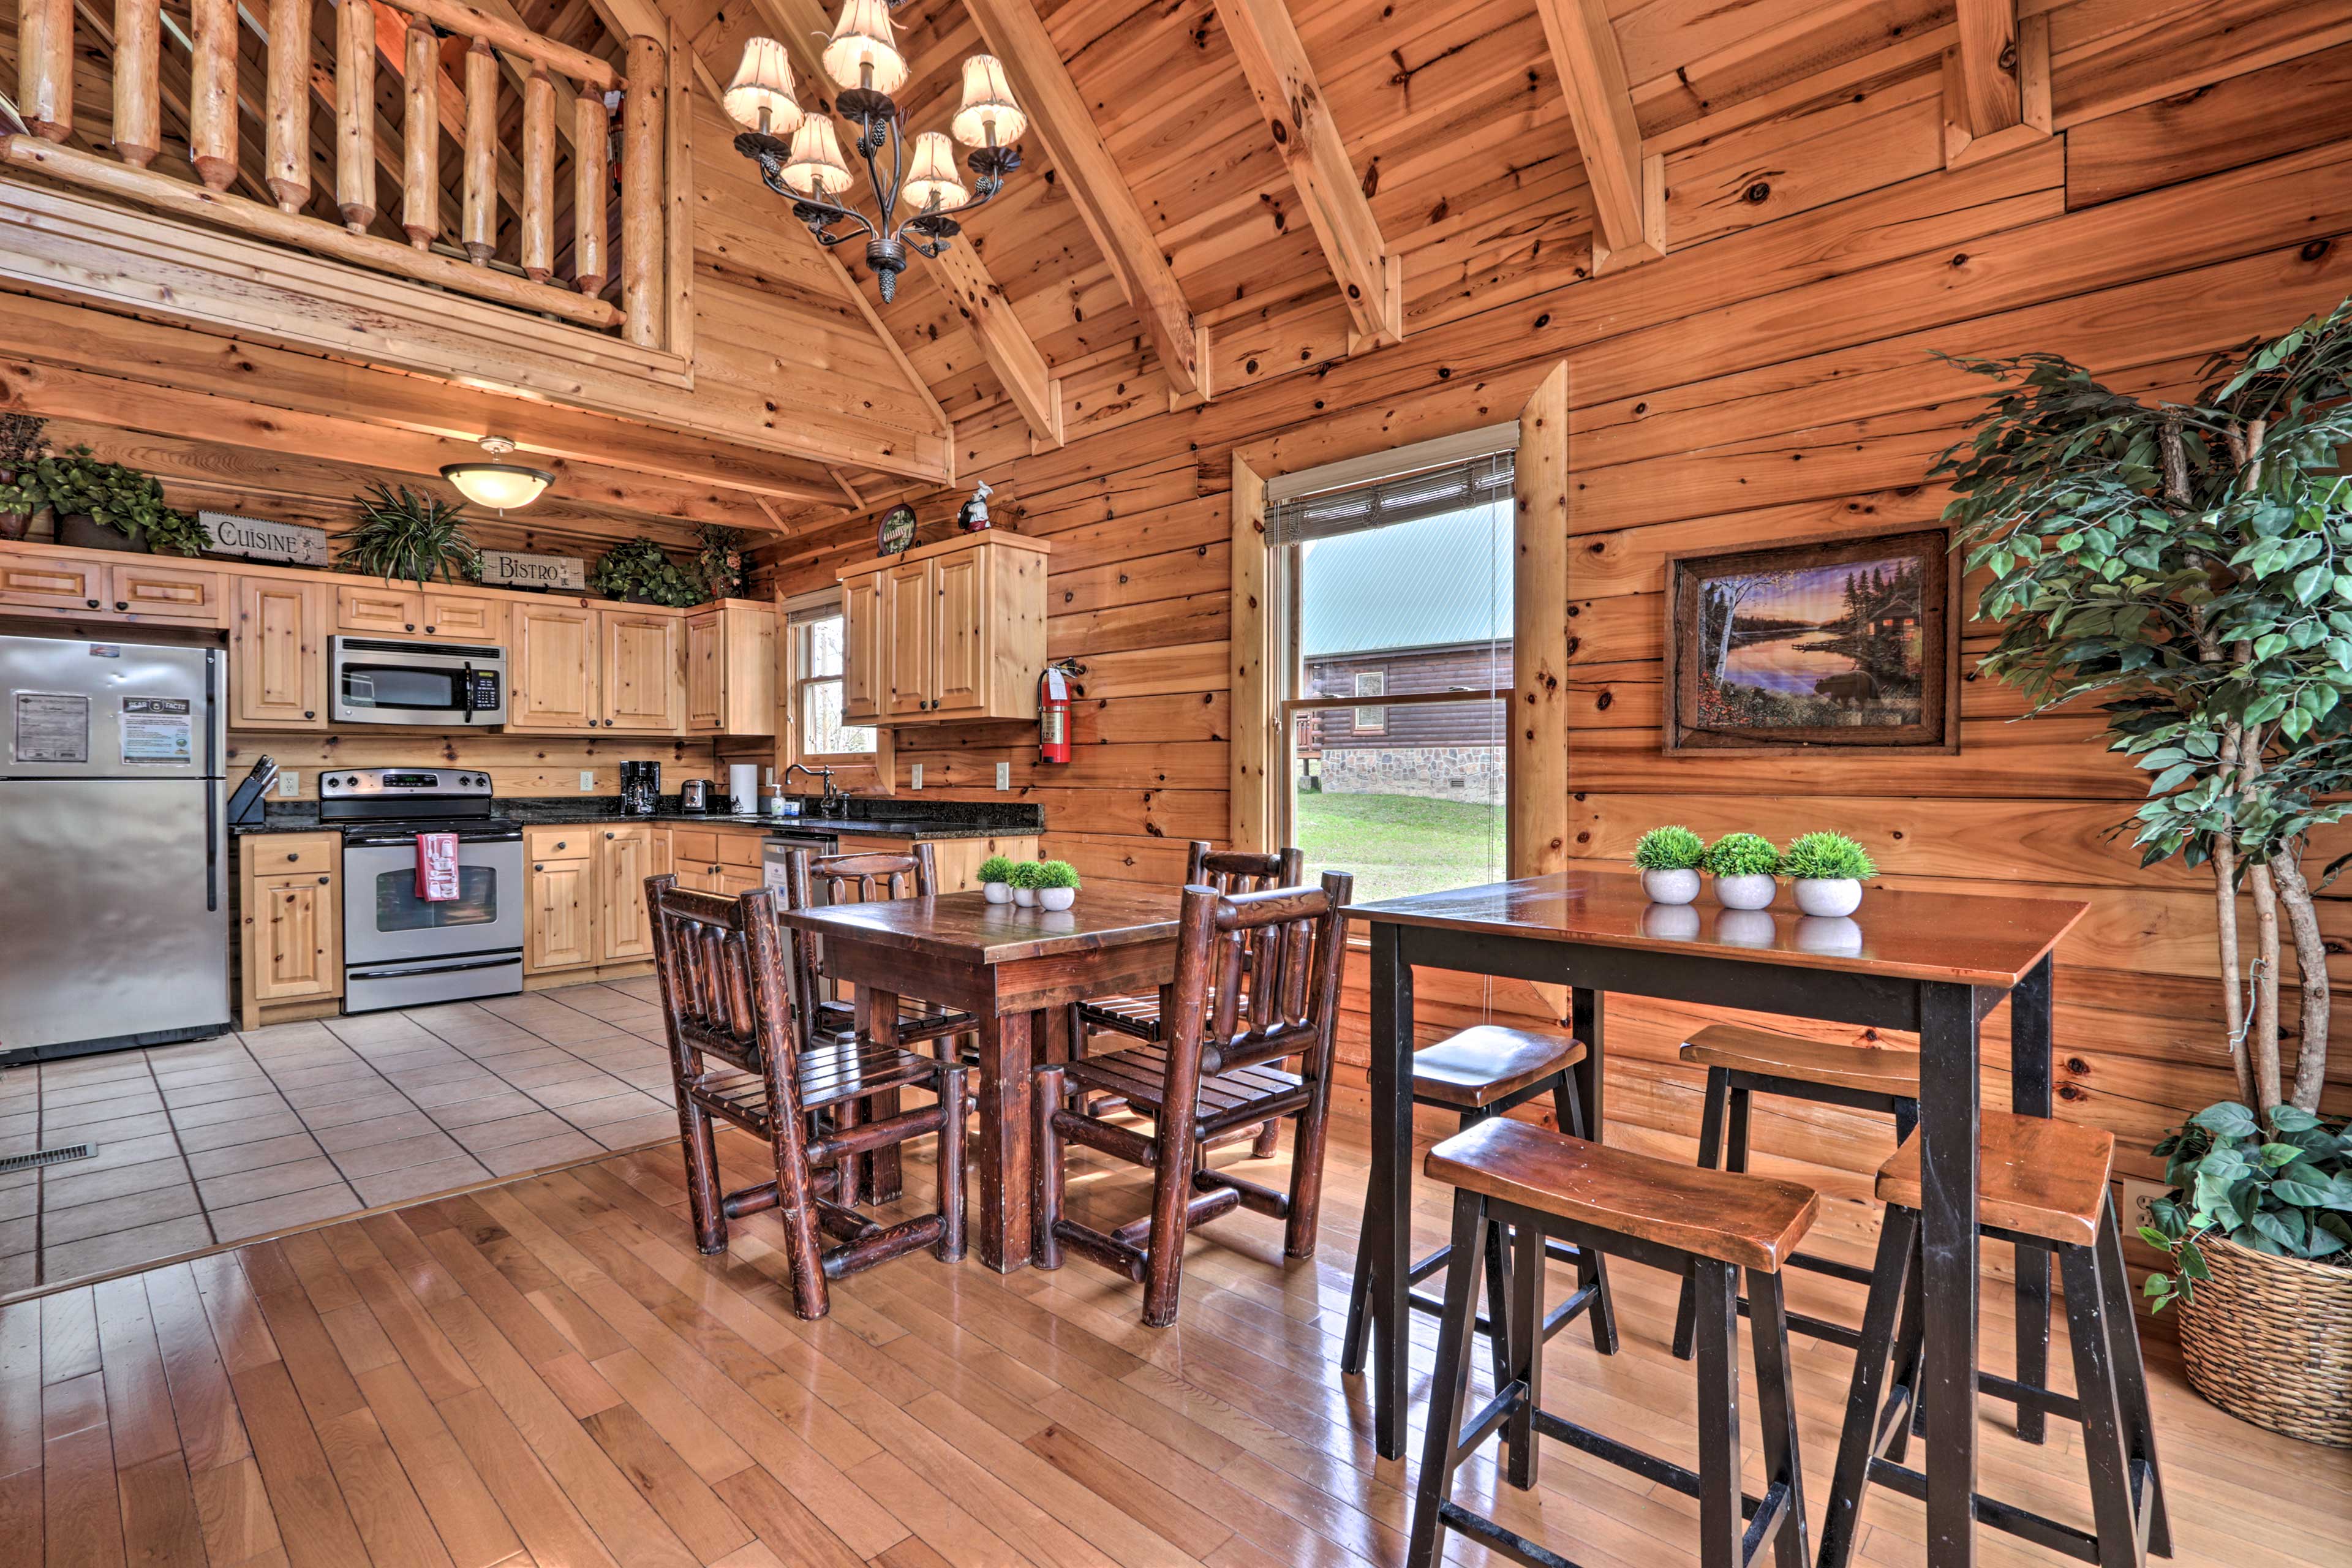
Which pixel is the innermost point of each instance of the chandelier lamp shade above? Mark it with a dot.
(801, 158)
(502, 487)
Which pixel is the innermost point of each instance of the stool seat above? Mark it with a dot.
(1488, 1063)
(1751, 1220)
(2036, 1176)
(1875, 1070)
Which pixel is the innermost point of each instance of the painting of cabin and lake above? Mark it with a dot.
(1833, 643)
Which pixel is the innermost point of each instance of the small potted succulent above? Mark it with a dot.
(1670, 859)
(1057, 884)
(995, 872)
(1025, 880)
(1828, 868)
(1744, 865)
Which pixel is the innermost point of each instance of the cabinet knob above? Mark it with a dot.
(608, 723)
(308, 713)
(92, 603)
(608, 836)
(559, 843)
(322, 881)
(409, 627)
(121, 604)
(537, 866)
(296, 856)
(430, 630)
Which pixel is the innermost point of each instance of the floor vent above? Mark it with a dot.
(57, 1156)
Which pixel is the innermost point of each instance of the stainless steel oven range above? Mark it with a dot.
(399, 950)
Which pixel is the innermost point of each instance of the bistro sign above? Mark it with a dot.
(509, 569)
(255, 539)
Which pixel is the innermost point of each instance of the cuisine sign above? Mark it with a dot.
(257, 539)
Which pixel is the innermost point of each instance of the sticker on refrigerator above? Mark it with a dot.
(52, 727)
(158, 730)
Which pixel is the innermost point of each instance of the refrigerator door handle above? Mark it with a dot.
(212, 782)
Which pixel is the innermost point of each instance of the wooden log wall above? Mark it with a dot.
(1769, 378)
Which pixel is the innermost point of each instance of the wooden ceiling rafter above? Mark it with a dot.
(1629, 185)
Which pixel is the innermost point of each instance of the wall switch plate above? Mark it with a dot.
(587, 781)
(289, 785)
(1004, 776)
(919, 777)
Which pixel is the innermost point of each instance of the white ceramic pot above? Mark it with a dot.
(996, 892)
(1056, 898)
(1747, 927)
(1670, 923)
(1679, 886)
(1829, 896)
(1026, 897)
(1750, 892)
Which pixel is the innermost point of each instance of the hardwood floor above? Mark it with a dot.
(545, 1373)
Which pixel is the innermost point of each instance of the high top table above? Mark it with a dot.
(1933, 962)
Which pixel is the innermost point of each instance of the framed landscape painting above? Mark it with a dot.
(1819, 645)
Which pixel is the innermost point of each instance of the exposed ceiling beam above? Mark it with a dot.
(2019, 68)
(1299, 119)
(1058, 113)
(1628, 198)
(1988, 98)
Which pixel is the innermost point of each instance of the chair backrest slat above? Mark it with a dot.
(1293, 990)
(725, 982)
(891, 875)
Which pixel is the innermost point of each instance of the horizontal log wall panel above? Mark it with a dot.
(518, 764)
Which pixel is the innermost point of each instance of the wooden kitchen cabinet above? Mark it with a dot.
(628, 855)
(949, 631)
(70, 586)
(290, 926)
(644, 680)
(378, 610)
(553, 669)
(278, 653)
(730, 668)
(465, 617)
(150, 592)
(560, 922)
(52, 582)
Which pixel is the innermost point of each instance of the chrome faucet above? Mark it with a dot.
(831, 799)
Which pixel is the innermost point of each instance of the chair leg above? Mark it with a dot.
(2111, 1513)
(1307, 1147)
(1592, 1266)
(1359, 1300)
(1710, 1158)
(1268, 1140)
(1045, 1172)
(1524, 1334)
(1451, 1381)
(1717, 1350)
(2131, 1379)
(1842, 1522)
(698, 1140)
(1171, 1189)
(949, 1177)
(1776, 1413)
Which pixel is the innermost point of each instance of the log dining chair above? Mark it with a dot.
(1218, 1070)
(728, 1006)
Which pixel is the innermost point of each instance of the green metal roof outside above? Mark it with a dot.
(1427, 583)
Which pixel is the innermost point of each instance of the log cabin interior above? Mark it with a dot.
(511, 1059)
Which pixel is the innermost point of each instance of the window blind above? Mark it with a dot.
(1433, 493)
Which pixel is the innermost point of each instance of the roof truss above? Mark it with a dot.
(1629, 190)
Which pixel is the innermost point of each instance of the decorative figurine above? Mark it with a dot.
(975, 515)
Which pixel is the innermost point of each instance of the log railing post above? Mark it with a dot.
(45, 67)
(644, 120)
(420, 138)
(538, 174)
(481, 211)
(592, 128)
(211, 91)
(287, 104)
(137, 80)
(355, 113)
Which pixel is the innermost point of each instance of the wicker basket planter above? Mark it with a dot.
(2269, 1340)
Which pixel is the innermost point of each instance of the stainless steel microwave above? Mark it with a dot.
(375, 680)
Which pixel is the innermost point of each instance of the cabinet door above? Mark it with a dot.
(630, 856)
(166, 592)
(553, 668)
(461, 618)
(706, 673)
(906, 610)
(294, 927)
(379, 609)
(641, 673)
(561, 917)
(960, 634)
(864, 649)
(51, 581)
(278, 661)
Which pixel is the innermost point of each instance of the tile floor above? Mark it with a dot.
(219, 1140)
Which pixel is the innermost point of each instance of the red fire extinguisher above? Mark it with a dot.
(1053, 713)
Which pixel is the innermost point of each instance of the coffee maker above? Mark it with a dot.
(640, 788)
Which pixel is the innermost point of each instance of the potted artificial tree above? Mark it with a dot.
(1670, 859)
(404, 535)
(995, 873)
(1828, 869)
(1744, 865)
(2185, 564)
(23, 443)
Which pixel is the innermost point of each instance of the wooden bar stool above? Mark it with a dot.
(1711, 1224)
(2042, 1183)
(1485, 1071)
(1740, 1062)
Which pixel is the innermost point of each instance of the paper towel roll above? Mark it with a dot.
(743, 788)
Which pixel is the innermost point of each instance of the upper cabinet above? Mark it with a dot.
(375, 609)
(730, 668)
(644, 674)
(553, 668)
(954, 630)
(278, 653)
(78, 584)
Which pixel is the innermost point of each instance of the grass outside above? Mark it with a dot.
(1401, 844)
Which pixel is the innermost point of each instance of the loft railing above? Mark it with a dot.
(556, 78)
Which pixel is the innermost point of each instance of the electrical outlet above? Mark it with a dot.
(289, 785)
(587, 779)
(919, 776)
(1004, 776)
(2132, 1199)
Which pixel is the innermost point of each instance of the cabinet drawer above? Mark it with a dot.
(740, 848)
(168, 593)
(693, 848)
(462, 618)
(377, 610)
(285, 854)
(568, 843)
(51, 581)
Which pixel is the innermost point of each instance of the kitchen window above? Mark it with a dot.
(813, 653)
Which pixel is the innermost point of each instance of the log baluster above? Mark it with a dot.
(481, 210)
(537, 176)
(592, 185)
(286, 104)
(420, 137)
(138, 80)
(211, 91)
(45, 67)
(642, 120)
(354, 113)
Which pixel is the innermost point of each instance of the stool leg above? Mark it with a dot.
(1710, 1158)
(1716, 1287)
(1526, 1346)
(1498, 1304)
(2131, 1378)
(1592, 1268)
(1450, 1380)
(1359, 1293)
(2094, 1387)
(1776, 1413)
(1841, 1523)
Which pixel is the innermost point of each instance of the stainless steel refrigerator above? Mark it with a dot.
(114, 864)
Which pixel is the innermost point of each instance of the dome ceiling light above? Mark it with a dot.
(501, 486)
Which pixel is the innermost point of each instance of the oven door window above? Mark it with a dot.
(403, 686)
(397, 907)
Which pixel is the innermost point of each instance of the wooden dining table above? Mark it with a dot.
(1016, 970)
(1931, 962)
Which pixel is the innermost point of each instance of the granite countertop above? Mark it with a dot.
(944, 819)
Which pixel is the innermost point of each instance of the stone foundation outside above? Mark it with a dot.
(1434, 772)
